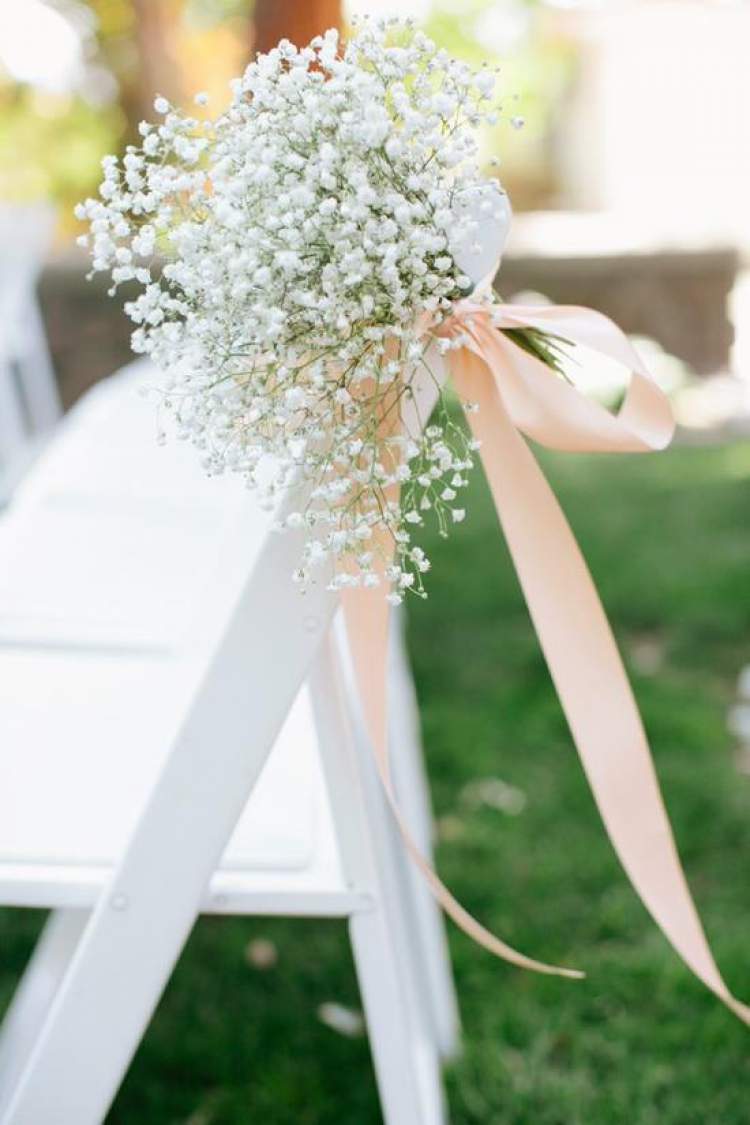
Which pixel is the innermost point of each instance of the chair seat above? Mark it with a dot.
(119, 563)
(107, 446)
(83, 737)
(111, 572)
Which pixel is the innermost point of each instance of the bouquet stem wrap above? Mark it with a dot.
(518, 395)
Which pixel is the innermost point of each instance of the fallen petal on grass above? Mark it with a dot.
(346, 1021)
(494, 793)
(261, 954)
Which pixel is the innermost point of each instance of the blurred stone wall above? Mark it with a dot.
(88, 333)
(678, 298)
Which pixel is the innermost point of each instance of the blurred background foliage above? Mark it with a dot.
(537, 69)
(75, 79)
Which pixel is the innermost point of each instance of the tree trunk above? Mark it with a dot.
(297, 20)
(155, 69)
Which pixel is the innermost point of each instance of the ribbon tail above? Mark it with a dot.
(366, 615)
(588, 674)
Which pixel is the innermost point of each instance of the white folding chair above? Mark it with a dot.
(29, 400)
(151, 652)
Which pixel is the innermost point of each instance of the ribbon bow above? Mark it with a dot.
(518, 394)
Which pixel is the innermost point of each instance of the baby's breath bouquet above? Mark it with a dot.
(297, 256)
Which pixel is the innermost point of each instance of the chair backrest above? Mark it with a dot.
(29, 400)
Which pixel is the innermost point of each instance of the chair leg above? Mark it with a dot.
(13, 433)
(402, 1040)
(35, 992)
(431, 951)
(40, 384)
(406, 1064)
(388, 951)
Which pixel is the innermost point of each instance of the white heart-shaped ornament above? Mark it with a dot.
(481, 222)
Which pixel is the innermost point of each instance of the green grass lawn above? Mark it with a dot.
(639, 1042)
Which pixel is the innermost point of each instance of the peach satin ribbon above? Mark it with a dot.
(516, 392)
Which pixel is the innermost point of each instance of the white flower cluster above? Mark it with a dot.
(295, 257)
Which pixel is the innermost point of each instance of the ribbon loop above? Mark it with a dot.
(547, 408)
